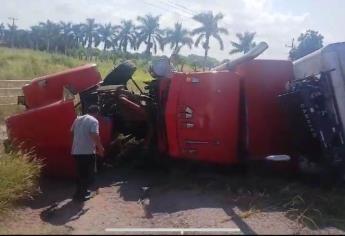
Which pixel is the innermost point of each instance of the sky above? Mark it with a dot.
(276, 22)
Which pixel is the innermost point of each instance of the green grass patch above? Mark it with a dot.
(26, 64)
(19, 178)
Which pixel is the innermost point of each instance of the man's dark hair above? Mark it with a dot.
(93, 109)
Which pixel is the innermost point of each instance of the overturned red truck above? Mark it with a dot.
(244, 110)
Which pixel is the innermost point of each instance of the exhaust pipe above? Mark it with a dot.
(252, 54)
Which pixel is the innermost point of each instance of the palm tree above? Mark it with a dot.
(106, 34)
(79, 35)
(178, 37)
(50, 31)
(36, 36)
(2, 31)
(127, 35)
(91, 32)
(150, 33)
(245, 43)
(67, 35)
(23, 39)
(12, 30)
(208, 29)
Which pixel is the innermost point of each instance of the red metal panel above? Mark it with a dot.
(210, 134)
(268, 131)
(49, 89)
(47, 130)
(164, 86)
(171, 114)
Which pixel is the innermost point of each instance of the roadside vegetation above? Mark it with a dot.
(304, 202)
(26, 64)
(19, 178)
(262, 190)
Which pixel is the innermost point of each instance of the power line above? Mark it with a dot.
(184, 9)
(179, 7)
(164, 9)
(292, 44)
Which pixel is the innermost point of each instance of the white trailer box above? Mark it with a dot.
(326, 59)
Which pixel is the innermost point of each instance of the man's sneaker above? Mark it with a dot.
(87, 196)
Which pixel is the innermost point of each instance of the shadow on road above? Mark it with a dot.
(181, 187)
(63, 212)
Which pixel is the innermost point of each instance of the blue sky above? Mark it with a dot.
(275, 21)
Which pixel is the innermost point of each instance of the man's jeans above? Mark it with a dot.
(85, 172)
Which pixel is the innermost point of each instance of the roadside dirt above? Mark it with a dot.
(178, 198)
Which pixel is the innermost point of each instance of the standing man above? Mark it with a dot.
(86, 144)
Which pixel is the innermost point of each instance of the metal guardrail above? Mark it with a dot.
(13, 83)
(8, 99)
(10, 90)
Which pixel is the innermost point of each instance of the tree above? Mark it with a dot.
(23, 39)
(79, 35)
(309, 42)
(2, 31)
(67, 35)
(180, 61)
(208, 29)
(150, 33)
(245, 43)
(36, 36)
(178, 37)
(126, 36)
(106, 34)
(12, 30)
(91, 32)
(49, 30)
(199, 61)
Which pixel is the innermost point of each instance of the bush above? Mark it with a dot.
(19, 178)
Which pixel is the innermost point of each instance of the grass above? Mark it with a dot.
(25, 64)
(19, 178)
(261, 190)
(6, 111)
(310, 206)
(22, 64)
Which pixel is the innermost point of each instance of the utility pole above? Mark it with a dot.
(13, 26)
(292, 44)
(13, 20)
